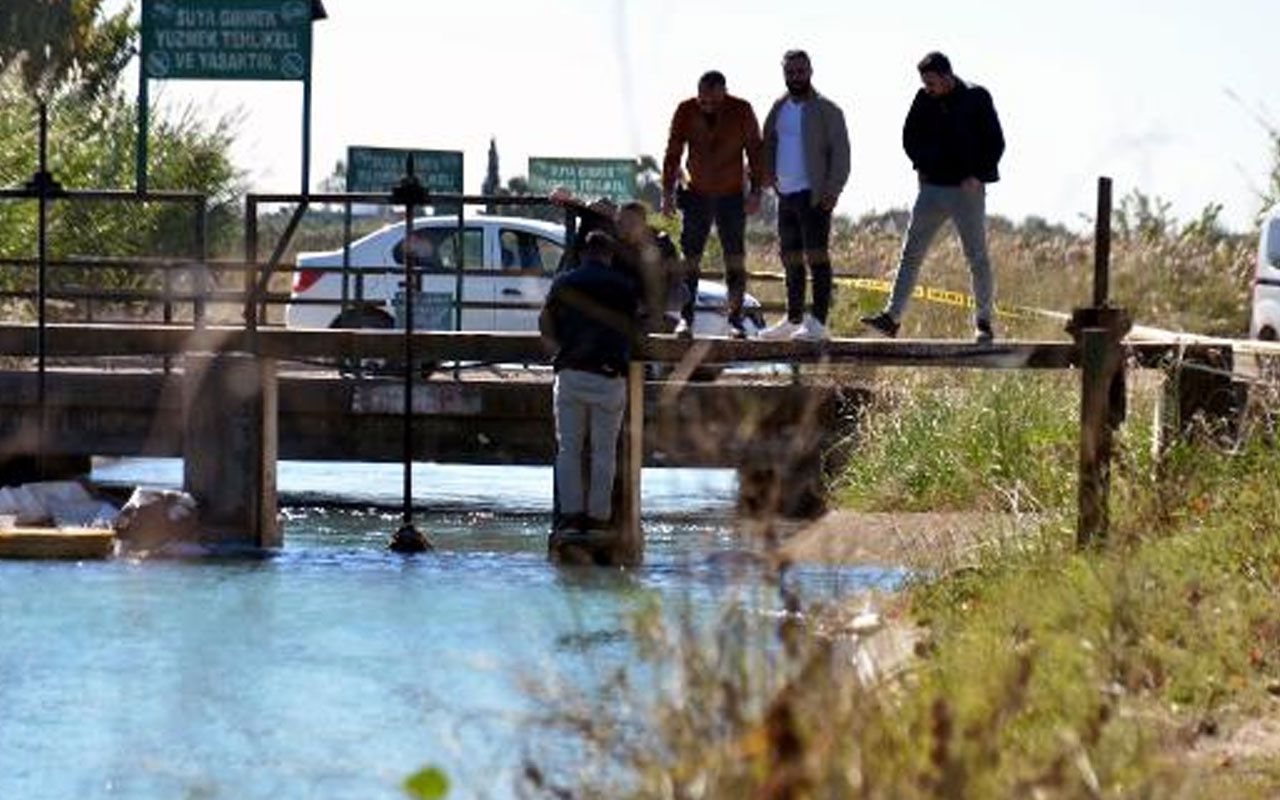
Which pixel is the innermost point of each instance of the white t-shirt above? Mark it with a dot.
(793, 175)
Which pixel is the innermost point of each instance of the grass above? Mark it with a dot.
(1043, 671)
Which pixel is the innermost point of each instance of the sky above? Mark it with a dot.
(1168, 98)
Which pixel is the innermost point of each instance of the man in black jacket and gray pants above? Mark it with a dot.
(953, 138)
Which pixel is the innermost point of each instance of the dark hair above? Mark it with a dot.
(712, 79)
(598, 245)
(793, 55)
(636, 207)
(936, 63)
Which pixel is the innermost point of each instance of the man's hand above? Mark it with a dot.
(753, 202)
(668, 206)
(828, 202)
(971, 185)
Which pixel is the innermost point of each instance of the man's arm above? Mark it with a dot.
(913, 133)
(838, 141)
(993, 134)
(754, 145)
(547, 321)
(677, 135)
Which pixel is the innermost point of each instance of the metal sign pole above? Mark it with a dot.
(44, 187)
(410, 193)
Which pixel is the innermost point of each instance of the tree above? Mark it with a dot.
(492, 181)
(70, 55)
(59, 45)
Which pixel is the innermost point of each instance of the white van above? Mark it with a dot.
(1266, 281)
(507, 271)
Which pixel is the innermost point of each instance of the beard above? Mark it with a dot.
(799, 87)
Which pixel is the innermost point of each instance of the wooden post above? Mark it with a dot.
(1095, 438)
(229, 447)
(1098, 333)
(630, 547)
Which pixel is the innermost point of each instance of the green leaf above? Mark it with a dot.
(428, 783)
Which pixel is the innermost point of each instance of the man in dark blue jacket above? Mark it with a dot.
(590, 320)
(953, 138)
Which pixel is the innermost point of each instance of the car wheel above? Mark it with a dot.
(1267, 334)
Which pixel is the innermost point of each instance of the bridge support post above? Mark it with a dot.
(229, 446)
(1098, 332)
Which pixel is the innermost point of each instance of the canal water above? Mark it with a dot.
(334, 669)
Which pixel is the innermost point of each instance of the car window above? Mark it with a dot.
(437, 248)
(1273, 243)
(528, 251)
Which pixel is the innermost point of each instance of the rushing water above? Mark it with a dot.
(332, 669)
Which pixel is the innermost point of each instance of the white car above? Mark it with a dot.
(1265, 323)
(508, 268)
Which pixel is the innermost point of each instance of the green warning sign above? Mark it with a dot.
(614, 178)
(261, 40)
(379, 169)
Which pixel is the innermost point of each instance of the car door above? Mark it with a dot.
(527, 263)
(436, 260)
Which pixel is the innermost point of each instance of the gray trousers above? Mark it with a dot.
(934, 206)
(585, 401)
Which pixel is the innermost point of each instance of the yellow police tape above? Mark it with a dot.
(946, 297)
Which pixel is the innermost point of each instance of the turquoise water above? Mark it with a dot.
(333, 669)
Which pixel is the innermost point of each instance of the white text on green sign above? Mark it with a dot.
(379, 169)
(227, 39)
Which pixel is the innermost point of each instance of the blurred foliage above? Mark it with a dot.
(92, 141)
(65, 46)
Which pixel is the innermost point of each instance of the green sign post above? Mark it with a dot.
(257, 40)
(614, 178)
(379, 169)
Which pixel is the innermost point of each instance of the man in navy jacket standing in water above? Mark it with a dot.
(590, 319)
(953, 137)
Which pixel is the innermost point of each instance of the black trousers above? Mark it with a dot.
(804, 231)
(728, 212)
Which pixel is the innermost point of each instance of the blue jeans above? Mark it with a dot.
(804, 231)
(729, 213)
(934, 206)
(585, 401)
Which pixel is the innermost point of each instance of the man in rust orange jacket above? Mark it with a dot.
(726, 170)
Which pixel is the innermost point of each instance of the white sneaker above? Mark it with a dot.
(781, 330)
(811, 331)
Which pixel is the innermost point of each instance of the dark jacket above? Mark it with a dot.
(590, 316)
(955, 136)
(826, 146)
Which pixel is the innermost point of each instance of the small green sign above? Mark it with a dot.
(614, 178)
(261, 40)
(379, 169)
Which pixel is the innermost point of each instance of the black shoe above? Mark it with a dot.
(982, 332)
(882, 322)
(684, 329)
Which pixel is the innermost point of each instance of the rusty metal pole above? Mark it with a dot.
(1098, 331)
